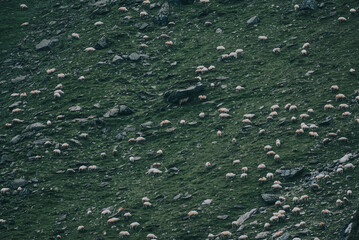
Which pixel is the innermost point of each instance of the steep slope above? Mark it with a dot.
(55, 200)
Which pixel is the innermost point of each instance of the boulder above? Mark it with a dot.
(177, 96)
(102, 43)
(253, 20)
(269, 198)
(18, 79)
(117, 59)
(44, 45)
(20, 182)
(162, 16)
(290, 173)
(309, 4)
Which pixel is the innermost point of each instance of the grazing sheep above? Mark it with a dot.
(183, 122)
(230, 175)
(207, 164)
(192, 213)
(82, 168)
(23, 6)
(99, 23)
(219, 133)
(306, 45)
(299, 131)
(349, 193)
(147, 204)
(151, 236)
(296, 210)
(304, 52)
(134, 225)
(202, 115)
(276, 50)
(75, 35)
(346, 114)
(127, 215)
(295, 199)
(123, 9)
(124, 234)
(267, 148)
(348, 165)
(81, 228)
(293, 119)
(83, 135)
(92, 167)
(276, 158)
(89, 49)
(154, 171)
(169, 43)
(113, 220)
(352, 70)
(234, 140)
(4, 190)
(236, 162)
(262, 180)
(340, 96)
(270, 176)
(57, 151)
(103, 155)
(271, 153)
(304, 115)
(342, 19)
(25, 24)
(239, 88)
(226, 234)
(140, 139)
(328, 107)
(266, 225)
(296, 7)
(293, 108)
(339, 203)
(244, 169)
(277, 143)
(242, 237)
(261, 166)
(219, 48)
(304, 198)
(244, 175)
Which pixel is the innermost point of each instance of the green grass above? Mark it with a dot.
(268, 79)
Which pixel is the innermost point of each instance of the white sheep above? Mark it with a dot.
(113, 220)
(75, 35)
(270, 175)
(151, 236)
(342, 19)
(81, 228)
(192, 213)
(244, 175)
(244, 169)
(306, 45)
(23, 6)
(123, 9)
(89, 49)
(328, 107)
(219, 133)
(230, 175)
(99, 23)
(124, 234)
(239, 88)
(304, 52)
(154, 171)
(277, 143)
(4, 190)
(236, 162)
(276, 50)
(261, 166)
(219, 48)
(340, 96)
(134, 225)
(202, 115)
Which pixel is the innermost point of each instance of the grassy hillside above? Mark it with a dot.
(54, 200)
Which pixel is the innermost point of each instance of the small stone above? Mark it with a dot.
(253, 20)
(75, 109)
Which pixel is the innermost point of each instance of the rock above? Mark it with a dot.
(285, 236)
(269, 198)
(34, 127)
(253, 20)
(102, 43)
(218, 30)
(14, 105)
(222, 217)
(207, 201)
(44, 45)
(16, 139)
(141, 26)
(41, 142)
(310, 72)
(327, 121)
(20, 182)
(290, 173)
(134, 56)
(18, 79)
(117, 59)
(75, 109)
(309, 4)
(121, 136)
(147, 124)
(62, 217)
(176, 96)
(162, 16)
(77, 142)
(261, 235)
(177, 196)
(112, 112)
(245, 216)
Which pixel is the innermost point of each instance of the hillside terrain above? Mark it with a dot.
(214, 119)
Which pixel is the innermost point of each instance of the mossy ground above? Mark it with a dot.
(268, 79)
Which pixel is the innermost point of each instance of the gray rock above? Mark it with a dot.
(218, 30)
(253, 20)
(147, 124)
(121, 136)
(285, 236)
(245, 216)
(327, 121)
(18, 79)
(269, 198)
(34, 127)
(222, 217)
(309, 4)
(75, 109)
(117, 59)
(176, 96)
(261, 235)
(112, 112)
(20, 182)
(14, 105)
(16, 139)
(290, 173)
(162, 16)
(177, 196)
(129, 128)
(141, 26)
(102, 43)
(125, 110)
(134, 56)
(41, 141)
(44, 45)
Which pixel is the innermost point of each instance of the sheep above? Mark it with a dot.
(277, 143)
(219, 133)
(304, 198)
(293, 119)
(296, 210)
(15, 95)
(89, 49)
(274, 219)
(154, 171)
(16, 120)
(202, 97)
(346, 114)
(286, 207)
(183, 122)
(140, 139)
(16, 110)
(35, 92)
(313, 134)
(57, 151)
(306, 45)
(244, 169)
(146, 2)
(342, 139)
(92, 167)
(127, 215)
(234, 141)
(230, 175)
(261, 166)
(82, 168)
(262, 38)
(4, 190)
(352, 10)
(99, 23)
(273, 114)
(225, 233)
(266, 225)
(51, 70)
(242, 237)
(328, 107)
(151, 236)
(113, 220)
(239, 88)
(340, 170)
(271, 153)
(304, 115)
(122, 9)
(171, 23)
(267, 148)
(244, 175)
(202, 115)
(270, 175)
(276, 158)
(147, 204)
(299, 131)
(134, 225)
(295, 199)
(343, 105)
(246, 121)
(81, 228)
(340, 97)
(103, 155)
(25, 24)
(219, 48)
(349, 193)
(262, 180)
(64, 145)
(352, 70)
(304, 52)
(192, 213)
(207, 23)
(224, 115)
(342, 19)
(276, 186)
(293, 108)
(339, 203)
(169, 43)
(310, 110)
(276, 50)
(83, 135)
(124, 234)
(208, 164)
(75, 35)
(296, 7)
(23, 6)
(145, 37)
(348, 165)
(204, 1)
(236, 162)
